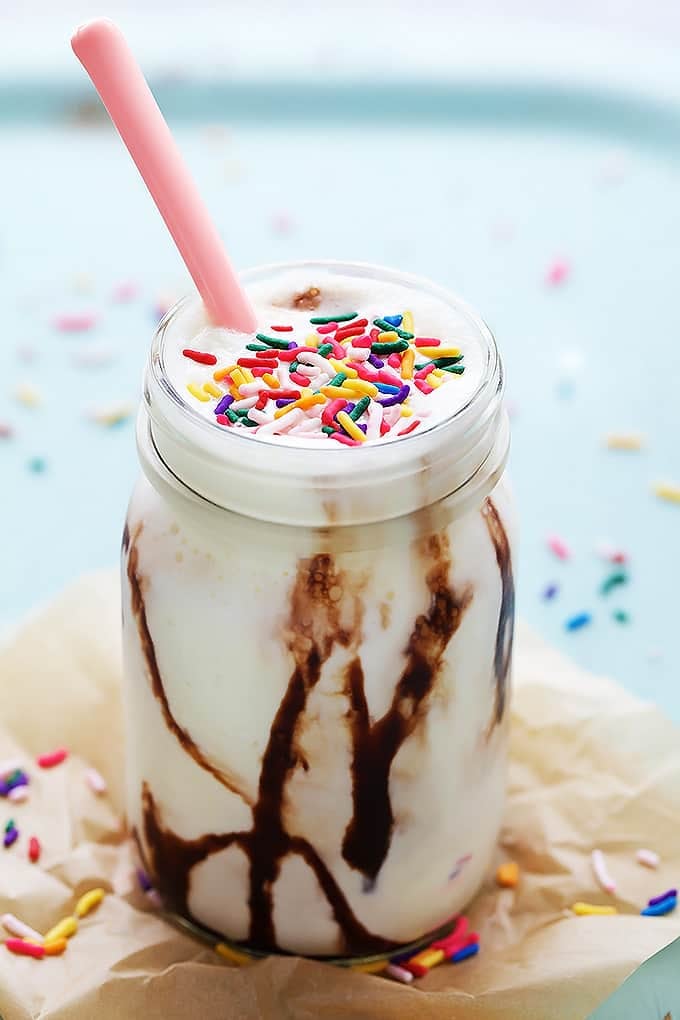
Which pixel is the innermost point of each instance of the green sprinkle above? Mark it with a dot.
(613, 581)
(249, 423)
(392, 347)
(10, 825)
(241, 412)
(325, 349)
(387, 327)
(272, 341)
(294, 365)
(257, 347)
(359, 409)
(231, 415)
(323, 320)
(444, 362)
(328, 429)
(455, 369)
(404, 334)
(338, 380)
(621, 616)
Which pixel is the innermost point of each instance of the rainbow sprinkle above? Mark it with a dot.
(349, 380)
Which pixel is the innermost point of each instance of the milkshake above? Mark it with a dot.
(318, 609)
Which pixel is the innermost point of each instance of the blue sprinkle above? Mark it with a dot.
(394, 320)
(465, 953)
(578, 621)
(386, 388)
(224, 403)
(374, 360)
(550, 592)
(659, 909)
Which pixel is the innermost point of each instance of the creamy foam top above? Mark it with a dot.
(291, 298)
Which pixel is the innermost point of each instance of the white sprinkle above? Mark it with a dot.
(374, 419)
(8, 766)
(358, 353)
(261, 417)
(247, 389)
(95, 781)
(399, 973)
(601, 872)
(246, 402)
(283, 424)
(647, 858)
(19, 793)
(309, 358)
(17, 927)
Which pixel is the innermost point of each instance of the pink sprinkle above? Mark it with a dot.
(301, 380)
(424, 387)
(222, 419)
(95, 781)
(48, 761)
(557, 272)
(330, 327)
(361, 341)
(346, 440)
(394, 360)
(410, 427)
(399, 973)
(427, 341)
(559, 547)
(339, 351)
(75, 323)
(388, 377)
(126, 291)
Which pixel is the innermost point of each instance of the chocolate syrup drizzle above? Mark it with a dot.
(325, 610)
(506, 617)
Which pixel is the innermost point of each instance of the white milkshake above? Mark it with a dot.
(318, 632)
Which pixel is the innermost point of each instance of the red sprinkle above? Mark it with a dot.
(424, 387)
(388, 377)
(292, 354)
(394, 360)
(330, 327)
(384, 427)
(281, 394)
(459, 934)
(282, 329)
(22, 948)
(262, 370)
(345, 440)
(261, 401)
(199, 356)
(34, 849)
(270, 355)
(427, 341)
(222, 419)
(361, 341)
(301, 380)
(374, 334)
(331, 409)
(48, 761)
(344, 334)
(410, 427)
(251, 363)
(423, 373)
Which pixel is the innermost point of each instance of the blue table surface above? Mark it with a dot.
(481, 191)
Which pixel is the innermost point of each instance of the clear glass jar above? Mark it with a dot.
(317, 650)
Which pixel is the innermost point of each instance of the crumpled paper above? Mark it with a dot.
(590, 766)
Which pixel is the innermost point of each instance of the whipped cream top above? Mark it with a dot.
(338, 360)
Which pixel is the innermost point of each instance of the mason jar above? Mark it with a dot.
(317, 648)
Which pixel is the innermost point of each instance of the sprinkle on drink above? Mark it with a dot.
(349, 380)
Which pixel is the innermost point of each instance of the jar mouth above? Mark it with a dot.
(492, 366)
(298, 483)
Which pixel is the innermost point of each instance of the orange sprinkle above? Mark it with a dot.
(55, 948)
(507, 874)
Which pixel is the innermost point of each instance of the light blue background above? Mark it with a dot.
(420, 178)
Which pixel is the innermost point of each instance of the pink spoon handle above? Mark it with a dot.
(102, 50)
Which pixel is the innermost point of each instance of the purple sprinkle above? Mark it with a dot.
(550, 592)
(349, 407)
(224, 403)
(398, 398)
(664, 896)
(285, 400)
(292, 345)
(144, 881)
(375, 361)
(362, 427)
(11, 837)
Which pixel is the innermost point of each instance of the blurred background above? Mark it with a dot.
(525, 154)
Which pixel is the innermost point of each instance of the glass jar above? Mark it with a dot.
(317, 648)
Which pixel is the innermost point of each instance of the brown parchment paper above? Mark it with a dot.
(590, 766)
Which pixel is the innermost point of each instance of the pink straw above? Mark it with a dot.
(102, 50)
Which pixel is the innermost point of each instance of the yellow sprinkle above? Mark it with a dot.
(407, 322)
(307, 400)
(585, 909)
(233, 955)
(197, 392)
(432, 380)
(507, 874)
(88, 901)
(238, 376)
(388, 337)
(271, 381)
(313, 340)
(222, 373)
(67, 926)
(439, 372)
(671, 493)
(350, 372)
(212, 390)
(624, 441)
(439, 352)
(350, 427)
(406, 412)
(248, 374)
(361, 386)
(407, 363)
(369, 968)
(55, 947)
(428, 957)
(334, 391)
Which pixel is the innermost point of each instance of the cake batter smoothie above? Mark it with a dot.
(318, 610)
